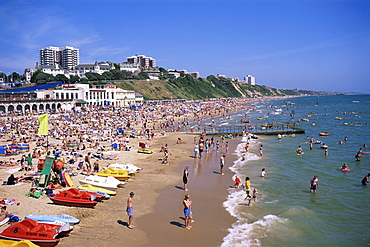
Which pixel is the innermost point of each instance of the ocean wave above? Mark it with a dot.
(245, 234)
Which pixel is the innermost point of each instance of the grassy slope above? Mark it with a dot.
(211, 87)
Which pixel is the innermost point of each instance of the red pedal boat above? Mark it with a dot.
(76, 198)
(41, 234)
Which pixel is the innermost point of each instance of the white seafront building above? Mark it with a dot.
(250, 80)
(67, 97)
(100, 94)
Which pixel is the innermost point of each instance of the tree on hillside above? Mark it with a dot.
(107, 75)
(3, 75)
(144, 75)
(74, 79)
(40, 77)
(14, 77)
(61, 77)
(126, 74)
(163, 71)
(117, 66)
(84, 81)
(93, 76)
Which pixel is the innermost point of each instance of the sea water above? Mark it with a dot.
(287, 213)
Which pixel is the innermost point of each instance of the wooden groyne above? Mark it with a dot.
(262, 130)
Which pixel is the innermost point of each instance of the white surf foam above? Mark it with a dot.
(243, 233)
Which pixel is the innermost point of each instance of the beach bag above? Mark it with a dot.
(13, 218)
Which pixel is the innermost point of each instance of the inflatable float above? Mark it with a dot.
(324, 134)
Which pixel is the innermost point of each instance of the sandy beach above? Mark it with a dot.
(158, 188)
(157, 202)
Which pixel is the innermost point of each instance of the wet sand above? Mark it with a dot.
(207, 190)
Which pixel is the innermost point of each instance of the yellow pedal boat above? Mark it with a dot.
(90, 187)
(305, 119)
(111, 172)
(12, 243)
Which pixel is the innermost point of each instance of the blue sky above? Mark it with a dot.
(315, 45)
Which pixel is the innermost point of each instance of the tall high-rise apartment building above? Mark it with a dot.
(63, 57)
(250, 80)
(143, 61)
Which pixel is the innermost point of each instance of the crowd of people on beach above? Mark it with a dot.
(87, 136)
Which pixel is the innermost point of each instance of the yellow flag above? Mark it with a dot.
(44, 124)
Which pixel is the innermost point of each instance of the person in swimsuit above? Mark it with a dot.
(299, 150)
(254, 194)
(314, 184)
(3, 214)
(96, 166)
(185, 177)
(196, 150)
(263, 172)
(247, 185)
(130, 210)
(222, 164)
(88, 163)
(365, 180)
(187, 211)
(237, 182)
(249, 198)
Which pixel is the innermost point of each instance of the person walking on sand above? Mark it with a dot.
(196, 150)
(222, 164)
(187, 211)
(185, 177)
(130, 210)
(314, 184)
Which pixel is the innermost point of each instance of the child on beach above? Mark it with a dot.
(248, 198)
(237, 182)
(222, 163)
(254, 194)
(247, 185)
(185, 177)
(187, 211)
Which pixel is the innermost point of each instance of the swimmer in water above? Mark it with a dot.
(314, 184)
(365, 180)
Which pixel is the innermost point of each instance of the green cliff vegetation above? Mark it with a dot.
(187, 87)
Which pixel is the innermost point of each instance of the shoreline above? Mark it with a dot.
(208, 190)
